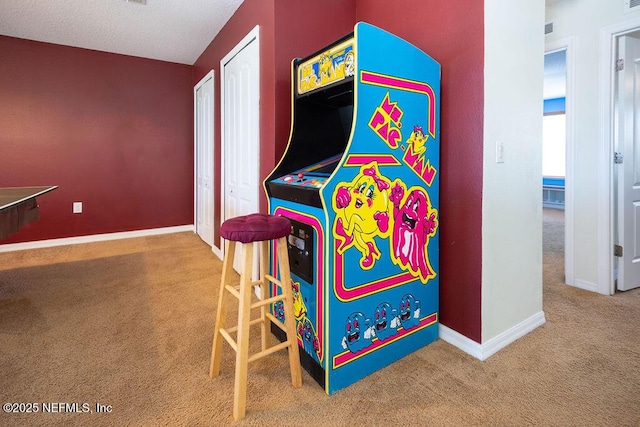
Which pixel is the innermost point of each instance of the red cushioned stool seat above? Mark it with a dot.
(251, 230)
(255, 228)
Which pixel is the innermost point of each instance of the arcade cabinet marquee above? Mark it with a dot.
(359, 182)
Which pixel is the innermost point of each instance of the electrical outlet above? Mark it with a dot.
(77, 207)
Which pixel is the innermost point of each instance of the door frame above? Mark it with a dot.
(606, 207)
(568, 45)
(253, 35)
(209, 75)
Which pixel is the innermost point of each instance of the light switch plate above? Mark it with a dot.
(499, 152)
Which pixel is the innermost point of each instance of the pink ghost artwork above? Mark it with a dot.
(414, 222)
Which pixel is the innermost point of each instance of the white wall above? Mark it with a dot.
(512, 191)
(582, 20)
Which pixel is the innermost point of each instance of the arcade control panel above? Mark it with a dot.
(303, 185)
(303, 180)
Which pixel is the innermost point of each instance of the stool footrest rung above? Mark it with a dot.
(276, 321)
(273, 280)
(235, 328)
(233, 290)
(259, 303)
(230, 340)
(226, 335)
(268, 351)
(267, 301)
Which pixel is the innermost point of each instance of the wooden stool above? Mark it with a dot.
(258, 229)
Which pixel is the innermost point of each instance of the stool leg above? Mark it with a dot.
(264, 291)
(290, 320)
(244, 317)
(221, 314)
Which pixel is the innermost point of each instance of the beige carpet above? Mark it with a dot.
(129, 324)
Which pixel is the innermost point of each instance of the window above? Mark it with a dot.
(553, 145)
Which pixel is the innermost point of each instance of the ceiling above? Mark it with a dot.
(168, 30)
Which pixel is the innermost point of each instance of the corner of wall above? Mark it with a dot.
(512, 165)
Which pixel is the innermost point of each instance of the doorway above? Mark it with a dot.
(203, 159)
(558, 182)
(240, 151)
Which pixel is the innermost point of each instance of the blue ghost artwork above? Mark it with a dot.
(386, 321)
(358, 332)
(409, 311)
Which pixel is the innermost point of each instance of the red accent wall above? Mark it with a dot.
(288, 28)
(113, 131)
(452, 32)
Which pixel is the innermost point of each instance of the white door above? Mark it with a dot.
(240, 131)
(204, 159)
(627, 173)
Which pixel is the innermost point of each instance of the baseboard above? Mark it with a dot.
(217, 252)
(587, 286)
(93, 238)
(456, 339)
(484, 351)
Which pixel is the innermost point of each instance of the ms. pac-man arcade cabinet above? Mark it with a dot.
(359, 182)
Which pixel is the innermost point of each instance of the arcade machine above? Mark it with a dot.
(359, 182)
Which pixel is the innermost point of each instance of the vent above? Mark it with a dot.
(548, 27)
(631, 6)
